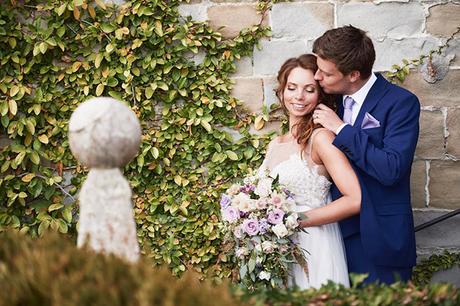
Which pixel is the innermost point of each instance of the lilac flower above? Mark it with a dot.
(263, 226)
(247, 188)
(288, 193)
(275, 216)
(231, 214)
(225, 201)
(251, 226)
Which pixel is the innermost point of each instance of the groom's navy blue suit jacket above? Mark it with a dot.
(382, 158)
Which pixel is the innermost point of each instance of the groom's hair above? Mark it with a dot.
(349, 48)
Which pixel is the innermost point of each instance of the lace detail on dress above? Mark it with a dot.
(309, 187)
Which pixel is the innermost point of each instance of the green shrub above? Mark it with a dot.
(52, 271)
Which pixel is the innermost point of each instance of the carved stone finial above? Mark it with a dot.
(105, 134)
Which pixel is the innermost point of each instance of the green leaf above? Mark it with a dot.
(108, 27)
(34, 157)
(99, 89)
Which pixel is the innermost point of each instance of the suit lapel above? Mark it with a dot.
(374, 95)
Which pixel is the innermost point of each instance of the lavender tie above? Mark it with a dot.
(347, 109)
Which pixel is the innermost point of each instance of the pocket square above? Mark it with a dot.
(369, 122)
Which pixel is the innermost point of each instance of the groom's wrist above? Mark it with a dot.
(340, 128)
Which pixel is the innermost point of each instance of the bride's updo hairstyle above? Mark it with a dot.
(305, 127)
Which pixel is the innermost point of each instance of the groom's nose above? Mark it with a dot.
(318, 76)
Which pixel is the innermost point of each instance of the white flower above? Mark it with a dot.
(238, 232)
(243, 202)
(241, 252)
(280, 230)
(234, 189)
(264, 187)
(268, 247)
(261, 204)
(258, 247)
(291, 221)
(264, 275)
(289, 205)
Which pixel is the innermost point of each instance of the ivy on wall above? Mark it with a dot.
(56, 54)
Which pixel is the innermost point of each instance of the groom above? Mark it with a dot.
(377, 127)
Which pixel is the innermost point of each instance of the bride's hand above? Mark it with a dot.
(327, 118)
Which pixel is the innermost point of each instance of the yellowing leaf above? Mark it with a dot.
(101, 4)
(206, 125)
(98, 60)
(86, 90)
(92, 12)
(53, 207)
(13, 107)
(259, 123)
(158, 28)
(43, 47)
(148, 92)
(43, 138)
(14, 90)
(99, 89)
(155, 152)
(178, 180)
(232, 155)
(76, 12)
(27, 178)
(30, 127)
(60, 10)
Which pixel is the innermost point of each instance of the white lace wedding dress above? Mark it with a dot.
(310, 185)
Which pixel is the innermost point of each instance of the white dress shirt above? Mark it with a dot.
(359, 98)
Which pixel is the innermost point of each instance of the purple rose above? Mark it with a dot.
(225, 201)
(275, 216)
(230, 214)
(263, 226)
(251, 226)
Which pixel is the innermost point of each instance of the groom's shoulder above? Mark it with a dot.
(398, 90)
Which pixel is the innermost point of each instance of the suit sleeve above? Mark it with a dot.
(389, 162)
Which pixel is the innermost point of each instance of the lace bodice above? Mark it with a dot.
(301, 176)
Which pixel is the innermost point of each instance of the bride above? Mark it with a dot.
(306, 161)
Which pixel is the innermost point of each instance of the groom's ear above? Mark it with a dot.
(354, 76)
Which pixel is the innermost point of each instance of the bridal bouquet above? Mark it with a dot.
(259, 220)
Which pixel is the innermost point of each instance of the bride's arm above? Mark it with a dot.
(344, 177)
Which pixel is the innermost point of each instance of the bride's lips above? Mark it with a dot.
(299, 106)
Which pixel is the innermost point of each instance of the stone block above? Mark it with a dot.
(453, 127)
(233, 18)
(270, 84)
(198, 12)
(442, 93)
(454, 48)
(418, 182)
(274, 53)
(443, 19)
(301, 20)
(391, 51)
(444, 184)
(431, 140)
(395, 20)
(243, 67)
(443, 235)
(250, 91)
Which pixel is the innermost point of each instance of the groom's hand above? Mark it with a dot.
(327, 118)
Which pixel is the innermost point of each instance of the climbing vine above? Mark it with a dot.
(56, 54)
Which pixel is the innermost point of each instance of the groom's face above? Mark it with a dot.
(330, 78)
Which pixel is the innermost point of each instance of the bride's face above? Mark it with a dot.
(300, 96)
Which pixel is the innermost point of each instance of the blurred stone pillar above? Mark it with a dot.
(104, 135)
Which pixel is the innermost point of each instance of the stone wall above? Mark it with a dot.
(400, 30)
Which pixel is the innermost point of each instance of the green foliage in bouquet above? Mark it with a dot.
(173, 72)
(52, 271)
